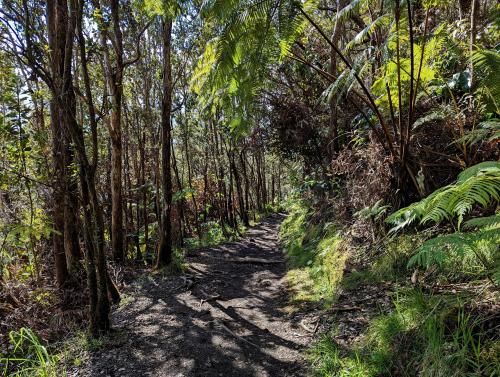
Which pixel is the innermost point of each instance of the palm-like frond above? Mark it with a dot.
(477, 185)
(249, 36)
(484, 222)
(346, 12)
(485, 131)
(486, 63)
(383, 20)
(436, 250)
(482, 167)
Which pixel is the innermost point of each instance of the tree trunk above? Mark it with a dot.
(239, 191)
(164, 254)
(116, 88)
(58, 197)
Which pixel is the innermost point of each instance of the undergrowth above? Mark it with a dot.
(424, 335)
(316, 255)
(426, 332)
(27, 356)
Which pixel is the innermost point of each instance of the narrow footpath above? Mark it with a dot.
(228, 315)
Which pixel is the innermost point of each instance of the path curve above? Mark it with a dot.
(226, 317)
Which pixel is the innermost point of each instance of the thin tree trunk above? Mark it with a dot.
(164, 255)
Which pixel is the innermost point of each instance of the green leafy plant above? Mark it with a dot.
(482, 243)
(486, 63)
(477, 185)
(29, 357)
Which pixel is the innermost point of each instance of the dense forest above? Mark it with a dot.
(249, 188)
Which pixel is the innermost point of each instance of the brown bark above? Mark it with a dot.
(116, 88)
(164, 254)
(58, 197)
(239, 190)
(98, 278)
(114, 80)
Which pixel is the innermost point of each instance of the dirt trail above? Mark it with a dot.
(225, 317)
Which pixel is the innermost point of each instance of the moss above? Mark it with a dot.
(316, 256)
(389, 266)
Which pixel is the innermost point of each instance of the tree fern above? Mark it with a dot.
(381, 21)
(487, 222)
(249, 35)
(485, 131)
(477, 185)
(486, 63)
(438, 250)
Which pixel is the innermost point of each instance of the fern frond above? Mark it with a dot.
(436, 250)
(486, 131)
(367, 32)
(486, 63)
(477, 185)
(434, 115)
(486, 166)
(346, 12)
(484, 222)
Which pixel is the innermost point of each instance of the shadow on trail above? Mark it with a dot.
(225, 317)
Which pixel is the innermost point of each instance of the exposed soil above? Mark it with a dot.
(226, 316)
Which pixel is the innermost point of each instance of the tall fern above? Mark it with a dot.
(477, 185)
(438, 250)
(486, 63)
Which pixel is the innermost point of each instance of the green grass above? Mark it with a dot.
(390, 266)
(77, 348)
(28, 357)
(424, 335)
(316, 256)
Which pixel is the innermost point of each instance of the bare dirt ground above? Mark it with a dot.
(229, 315)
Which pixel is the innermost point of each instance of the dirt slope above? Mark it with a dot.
(226, 317)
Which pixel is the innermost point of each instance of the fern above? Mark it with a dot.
(486, 63)
(436, 250)
(484, 222)
(486, 166)
(486, 131)
(477, 185)
(375, 212)
(367, 32)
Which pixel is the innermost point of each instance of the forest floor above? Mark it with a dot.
(228, 315)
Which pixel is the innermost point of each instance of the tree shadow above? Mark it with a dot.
(222, 319)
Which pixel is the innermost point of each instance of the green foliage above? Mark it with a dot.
(477, 185)
(476, 251)
(316, 255)
(28, 357)
(390, 70)
(431, 335)
(183, 194)
(486, 63)
(485, 131)
(251, 35)
(327, 360)
(374, 212)
(18, 240)
(213, 233)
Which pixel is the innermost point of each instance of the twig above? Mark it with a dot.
(253, 260)
(228, 330)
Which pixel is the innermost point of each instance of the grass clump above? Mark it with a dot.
(328, 359)
(316, 255)
(390, 266)
(27, 356)
(424, 335)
